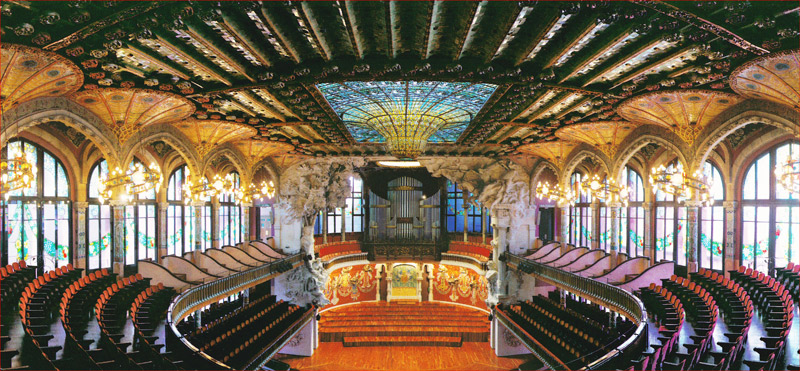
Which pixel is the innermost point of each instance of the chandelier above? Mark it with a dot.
(606, 191)
(788, 174)
(17, 173)
(562, 198)
(675, 182)
(252, 192)
(137, 179)
(197, 190)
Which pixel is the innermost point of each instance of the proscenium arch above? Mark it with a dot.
(576, 157)
(625, 155)
(167, 134)
(43, 110)
(234, 156)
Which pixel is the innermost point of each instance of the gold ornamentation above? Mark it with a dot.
(256, 150)
(27, 73)
(17, 172)
(788, 174)
(350, 282)
(555, 151)
(460, 282)
(126, 111)
(207, 134)
(675, 182)
(684, 112)
(138, 179)
(605, 135)
(561, 197)
(774, 77)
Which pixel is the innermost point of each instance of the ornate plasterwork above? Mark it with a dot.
(167, 134)
(28, 73)
(576, 160)
(641, 141)
(684, 112)
(606, 136)
(556, 152)
(774, 77)
(256, 150)
(207, 134)
(126, 111)
(305, 284)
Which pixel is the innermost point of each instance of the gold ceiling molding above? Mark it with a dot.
(555, 152)
(773, 77)
(604, 135)
(207, 134)
(28, 73)
(126, 111)
(256, 150)
(684, 112)
(283, 162)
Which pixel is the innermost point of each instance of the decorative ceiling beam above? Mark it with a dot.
(511, 130)
(348, 24)
(623, 57)
(212, 41)
(327, 20)
(561, 87)
(562, 41)
(608, 39)
(547, 106)
(241, 27)
(539, 98)
(490, 24)
(135, 10)
(409, 26)
(531, 32)
(194, 58)
(157, 60)
(450, 23)
(370, 27)
(692, 19)
(646, 69)
(259, 103)
(285, 22)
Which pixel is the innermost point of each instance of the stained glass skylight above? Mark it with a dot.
(406, 114)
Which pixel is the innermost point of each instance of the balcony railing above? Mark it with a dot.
(607, 295)
(197, 297)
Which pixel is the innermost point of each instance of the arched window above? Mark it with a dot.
(670, 221)
(354, 211)
(141, 226)
(631, 218)
(180, 216)
(37, 223)
(455, 212)
(580, 215)
(770, 214)
(99, 239)
(230, 218)
(712, 222)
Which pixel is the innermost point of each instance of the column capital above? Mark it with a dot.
(115, 203)
(693, 203)
(614, 204)
(80, 205)
(197, 203)
(730, 205)
(246, 204)
(163, 206)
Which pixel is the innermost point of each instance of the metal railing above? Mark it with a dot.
(598, 292)
(197, 297)
(544, 355)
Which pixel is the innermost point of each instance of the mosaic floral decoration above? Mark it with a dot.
(27, 73)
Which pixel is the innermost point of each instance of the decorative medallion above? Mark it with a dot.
(555, 151)
(605, 135)
(126, 111)
(256, 150)
(28, 73)
(773, 77)
(684, 112)
(207, 134)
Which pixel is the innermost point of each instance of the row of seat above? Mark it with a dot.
(208, 339)
(333, 249)
(13, 278)
(582, 339)
(602, 334)
(472, 249)
(111, 313)
(213, 329)
(551, 341)
(240, 356)
(668, 312)
(789, 276)
(147, 311)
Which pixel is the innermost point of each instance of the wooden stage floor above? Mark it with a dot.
(470, 356)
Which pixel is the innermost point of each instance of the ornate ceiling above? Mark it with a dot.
(267, 65)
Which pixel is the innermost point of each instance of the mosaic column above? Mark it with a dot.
(613, 214)
(246, 221)
(483, 225)
(648, 231)
(344, 217)
(595, 207)
(564, 225)
(162, 230)
(118, 223)
(730, 215)
(466, 206)
(325, 226)
(215, 222)
(692, 208)
(500, 224)
(79, 258)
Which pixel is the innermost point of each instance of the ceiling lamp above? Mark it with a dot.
(197, 191)
(604, 135)
(138, 179)
(607, 191)
(205, 135)
(127, 111)
(684, 112)
(17, 172)
(773, 77)
(253, 192)
(406, 114)
(788, 174)
(675, 182)
(402, 164)
(27, 73)
(561, 197)
(555, 151)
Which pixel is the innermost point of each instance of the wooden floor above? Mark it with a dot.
(470, 356)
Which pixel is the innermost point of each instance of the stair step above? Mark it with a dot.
(371, 341)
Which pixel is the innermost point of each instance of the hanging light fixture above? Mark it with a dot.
(197, 190)
(138, 179)
(788, 174)
(675, 182)
(17, 172)
(252, 192)
(543, 190)
(606, 191)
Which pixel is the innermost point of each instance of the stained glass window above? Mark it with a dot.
(37, 219)
(99, 237)
(580, 215)
(670, 242)
(141, 226)
(230, 218)
(371, 109)
(631, 218)
(354, 211)
(712, 223)
(180, 216)
(770, 214)
(455, 212)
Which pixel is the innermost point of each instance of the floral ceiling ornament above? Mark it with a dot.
(126, 111)
(556, 151)
(256, 150)
(774, 77)
(684, 112)
(27, 73)
(604, 135)
(205, 135)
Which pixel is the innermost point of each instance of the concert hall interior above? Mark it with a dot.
(400, 185)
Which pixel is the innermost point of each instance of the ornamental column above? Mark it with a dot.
(500, 224)
(564, 224)
(465, 206)
(730, 215)
(246, 221)
(647, 206)
(344, 218)
(215, 222)
(162, 231)
(325, 226)
(692, 208)
(595, 242)
(79, 258)
(613, 213)
(118, 243)
(483, 224)
(198, 229)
